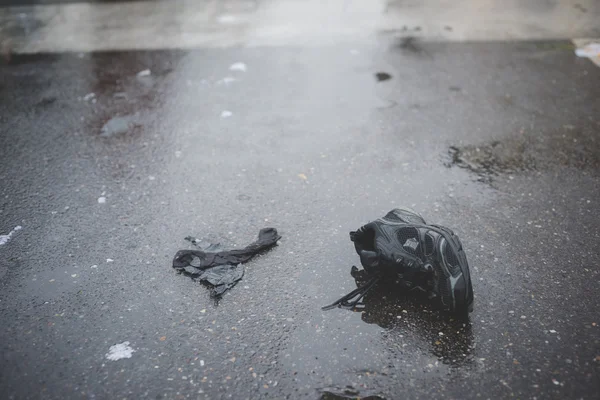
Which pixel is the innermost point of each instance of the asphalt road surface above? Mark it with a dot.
(106, 170)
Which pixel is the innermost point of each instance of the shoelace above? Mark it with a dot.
(351, 300)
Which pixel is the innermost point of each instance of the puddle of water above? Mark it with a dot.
(569, 146)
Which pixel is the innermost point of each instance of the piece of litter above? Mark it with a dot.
(118, 125)
(226, 114)
(101, 200)
(223, 269)
(108, 260)
(89, 96)
(238, 66)
(552, 331)
(555, 381)
(202, 363)
(590, 50)
(119, 351)
(5, 238)
(145, 72)
(73, 275)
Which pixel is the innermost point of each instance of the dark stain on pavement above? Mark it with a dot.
(382, 76)
(569, 146)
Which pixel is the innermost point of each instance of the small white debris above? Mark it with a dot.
(238, 66)
(119, 351)
(108, 260)
(555, 381)
(178, 154)
(5, 238)
(441, 333)
(523, 317)
(152, 177)
(94, 266)
(202, 363)
(511, 312)
(89, 96)
(226, 114)
(73, 275)
(226, 19)
(101, 200)
(226, 81)
(552, 331)
(145, 72)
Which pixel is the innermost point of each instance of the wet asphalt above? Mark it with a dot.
(497, 141)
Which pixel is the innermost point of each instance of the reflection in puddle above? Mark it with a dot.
(449, 337)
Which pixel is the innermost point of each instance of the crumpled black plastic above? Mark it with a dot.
(221, 269)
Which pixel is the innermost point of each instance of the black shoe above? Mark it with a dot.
(402, 246)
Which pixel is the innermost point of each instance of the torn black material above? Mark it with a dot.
(221, 269)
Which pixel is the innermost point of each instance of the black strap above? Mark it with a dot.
(347, 302)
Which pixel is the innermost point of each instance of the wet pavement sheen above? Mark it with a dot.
(497, 141)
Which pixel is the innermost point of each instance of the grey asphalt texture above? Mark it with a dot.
(497, 141)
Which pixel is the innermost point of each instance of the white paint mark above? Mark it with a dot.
(145, 72)
(226, 114)
(119, 351)
(89, 96)
(590, 50)
(5, 238)
(108, 260)
(101, 200)
(238, 66)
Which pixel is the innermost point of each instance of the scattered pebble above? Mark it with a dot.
(101, 200)
(552, 331)
(119, 351)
